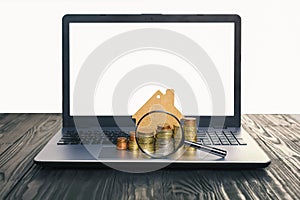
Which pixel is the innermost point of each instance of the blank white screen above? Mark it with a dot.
(217, 39)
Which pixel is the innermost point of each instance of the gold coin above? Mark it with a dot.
(145, 135)
(145, 132)
(121, 139)
(164, 131)
(189, 121)
(121, 143)
(146, 140)
(190, 137)
(132, 146)
(132, 135)
(190, 128)
(164, 135)
(147, 145)
(190, 132)
(187, 148)
(132, 142)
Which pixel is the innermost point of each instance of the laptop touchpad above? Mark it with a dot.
(113, 154)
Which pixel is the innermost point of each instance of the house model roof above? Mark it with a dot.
(160, 101)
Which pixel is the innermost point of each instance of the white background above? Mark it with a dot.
(30, 49)
(216, 39)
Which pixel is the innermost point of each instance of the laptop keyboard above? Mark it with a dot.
(219, 138)
(222, 137)
(92, 137)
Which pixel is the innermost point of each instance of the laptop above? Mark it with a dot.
(112, 64)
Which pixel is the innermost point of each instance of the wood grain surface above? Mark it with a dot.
(22, 136)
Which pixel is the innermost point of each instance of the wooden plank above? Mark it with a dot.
(13, 126)
(272, 120)
(278, 135)
(17, 158)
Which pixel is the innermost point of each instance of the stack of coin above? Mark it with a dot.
(146, 140)
(190, 131)
(164, 143)
(132, 145)
(121, 143)
(164, 131)
(177, 134)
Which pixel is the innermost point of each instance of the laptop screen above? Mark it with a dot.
(132, 61)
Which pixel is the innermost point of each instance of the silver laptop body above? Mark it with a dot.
(66, 148)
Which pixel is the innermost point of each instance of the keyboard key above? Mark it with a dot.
(213, 137)
(217, 143)
(228, 133)
(225, 142)
(231, 138)
(233, 142)
(206, 141)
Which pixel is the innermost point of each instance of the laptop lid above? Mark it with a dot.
(112, 64)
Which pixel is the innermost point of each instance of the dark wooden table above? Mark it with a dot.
(22, 136)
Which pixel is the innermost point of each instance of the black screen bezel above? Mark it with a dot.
(108, 121)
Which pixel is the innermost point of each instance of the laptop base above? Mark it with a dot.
(238, 157)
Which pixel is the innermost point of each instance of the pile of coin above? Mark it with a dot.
(177, 135)
(121, 143)
(190, 131)
(164, 143)
(132, 145)
(146, 140)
